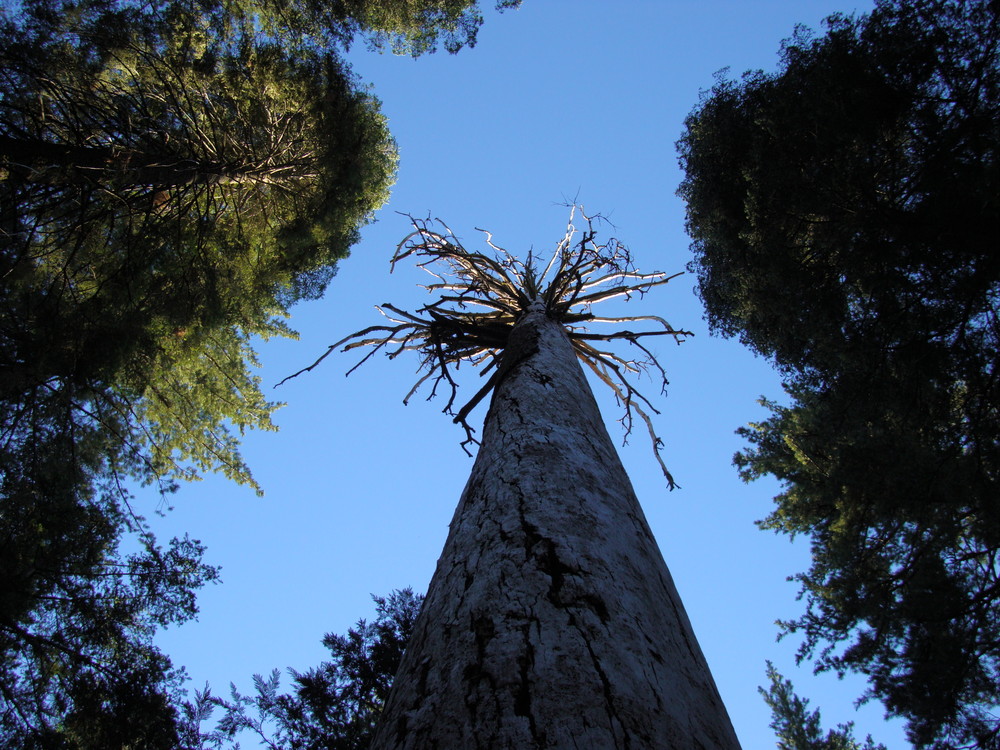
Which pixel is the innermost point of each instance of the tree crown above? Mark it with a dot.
(483, 296)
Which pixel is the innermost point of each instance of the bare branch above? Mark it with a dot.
(624, 395)
(580, 273)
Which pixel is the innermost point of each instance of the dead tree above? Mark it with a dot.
(551, 620)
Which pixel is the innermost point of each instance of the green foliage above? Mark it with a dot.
(411, 27)
(845, 215)
(797, 728)
(167, 190)
(336, 705)
(173, 176)
(164, 206)
(78, 666)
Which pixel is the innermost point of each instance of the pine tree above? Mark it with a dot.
(798, 728)
(162, 202)
(844, 212)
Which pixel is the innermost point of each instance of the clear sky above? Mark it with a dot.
(561, 99)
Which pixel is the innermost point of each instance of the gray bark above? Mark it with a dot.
(552, 620)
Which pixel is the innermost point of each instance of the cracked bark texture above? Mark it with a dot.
(551, 620)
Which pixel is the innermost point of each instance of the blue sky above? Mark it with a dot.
(559, 100)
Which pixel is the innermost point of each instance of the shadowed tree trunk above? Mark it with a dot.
(552, 620)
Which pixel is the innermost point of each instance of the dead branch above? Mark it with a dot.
(482, 296)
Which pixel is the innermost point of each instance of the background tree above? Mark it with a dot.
(845, 213)
(797, 728)
(551, 620)
(335, 706)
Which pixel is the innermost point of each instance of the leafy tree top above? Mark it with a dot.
(169, 185)
(853, 187)
(165, 200)
(844, 215)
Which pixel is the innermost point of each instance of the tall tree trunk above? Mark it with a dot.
(551, 621)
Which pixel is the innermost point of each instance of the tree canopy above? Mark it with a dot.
(481, 298)
(845, 214)
(411, 27)
(173, 176)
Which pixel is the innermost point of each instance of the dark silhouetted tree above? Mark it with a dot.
(334, 706)
(797, 728)
(845, 213)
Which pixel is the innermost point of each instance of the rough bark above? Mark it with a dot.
(552, 620)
